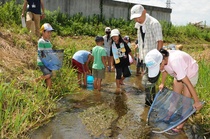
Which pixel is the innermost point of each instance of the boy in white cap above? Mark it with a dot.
(149, 35)
(179, 65)
(45, 44)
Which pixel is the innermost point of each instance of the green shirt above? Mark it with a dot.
(97, 53)
(43, 45)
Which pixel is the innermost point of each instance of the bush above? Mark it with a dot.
(10, 13)
(77, 24)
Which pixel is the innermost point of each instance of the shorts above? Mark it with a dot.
(122, 71)
(45, 70)
(194, 79)
(99, 73)
(79, 67)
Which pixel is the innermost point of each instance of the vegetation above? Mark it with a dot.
(25, 104)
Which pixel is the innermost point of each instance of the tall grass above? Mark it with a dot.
(21, 110)
(184, 34)
(26, 105)
(202, 89)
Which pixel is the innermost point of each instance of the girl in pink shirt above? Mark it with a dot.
(184, 69)
(179, 65)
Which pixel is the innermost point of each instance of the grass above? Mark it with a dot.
(21, 110)
(25, 105)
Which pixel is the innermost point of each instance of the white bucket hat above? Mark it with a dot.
(153, 59)
(115, 32)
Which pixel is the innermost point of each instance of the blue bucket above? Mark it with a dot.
(90, 80)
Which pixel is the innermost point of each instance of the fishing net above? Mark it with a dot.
(52, 59)
(168, 110)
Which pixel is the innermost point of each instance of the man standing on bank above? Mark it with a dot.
(149, 35)
(33, 15)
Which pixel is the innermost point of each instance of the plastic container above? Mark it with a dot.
(23, 22)
(90, 81)
(130, 59)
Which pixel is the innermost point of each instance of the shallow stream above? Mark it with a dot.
(104, 115)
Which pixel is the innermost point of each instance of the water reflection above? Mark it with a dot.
(120, 104)
(120, 107)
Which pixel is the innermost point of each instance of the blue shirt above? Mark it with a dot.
(81, 56)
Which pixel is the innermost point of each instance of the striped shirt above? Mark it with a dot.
(153, 34)
(43, 45)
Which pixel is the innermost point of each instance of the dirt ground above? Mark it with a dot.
(17, 52)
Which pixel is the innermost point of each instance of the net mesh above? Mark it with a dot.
(169, 109)
(52, 59)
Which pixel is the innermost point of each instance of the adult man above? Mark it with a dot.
(33, 15)
(149, 33)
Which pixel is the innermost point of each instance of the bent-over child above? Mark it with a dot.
(80, 64)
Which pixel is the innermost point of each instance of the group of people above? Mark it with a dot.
(115, 54)
(112, 52)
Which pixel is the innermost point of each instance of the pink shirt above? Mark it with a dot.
(180, 65)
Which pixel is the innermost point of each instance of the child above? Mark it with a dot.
(119, 53)
(128, 41)
(99, 62)
(44, 44)
(179, 65)
(107, 46)
(80, 63)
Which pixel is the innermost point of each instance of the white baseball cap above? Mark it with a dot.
(115, 32)
(46, 27)
(107, 29)
(153, 59)
(136, 11)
